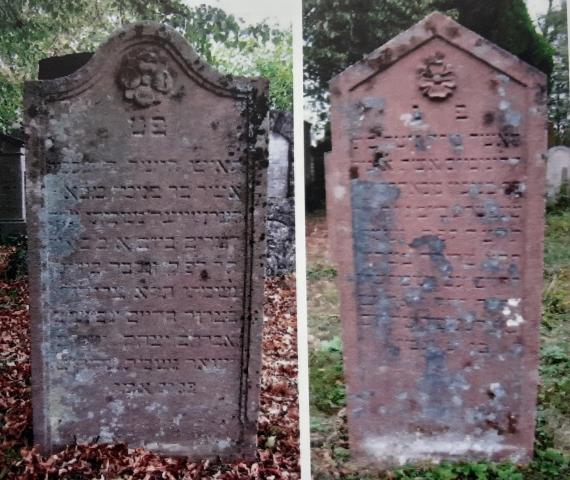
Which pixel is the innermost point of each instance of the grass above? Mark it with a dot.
(331, 458)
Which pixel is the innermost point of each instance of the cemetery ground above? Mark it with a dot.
(278, 448)
(329, 440)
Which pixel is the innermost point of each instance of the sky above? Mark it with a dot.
(536, 7)
(278, 12)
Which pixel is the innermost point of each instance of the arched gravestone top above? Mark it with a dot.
(146, 175)
(435, 187)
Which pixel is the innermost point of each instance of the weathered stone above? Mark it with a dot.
(146, 195)
(435, 208)
(280, 236)
(280, 201)
(12, 220)
(557, 171)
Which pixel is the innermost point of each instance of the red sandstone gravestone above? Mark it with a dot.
(146, 223)
(435, 209)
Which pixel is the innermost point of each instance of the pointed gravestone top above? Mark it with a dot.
(146, 188)
(435, 206)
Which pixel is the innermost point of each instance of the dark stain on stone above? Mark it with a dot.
(452, 32)
(512, 421)
(353, 171)
(429, 284)
(33, 111)
(204, 275)
(376, 130)
(430, 27)
(420, 143)
(488, 118)
(435, 248)
(179, 94)
(214, 125)
(494, 305)
(139, 29)
(381, 161)
(514, 189)
(541, 94)
(456, 140)
(509, 136)
(102, 132)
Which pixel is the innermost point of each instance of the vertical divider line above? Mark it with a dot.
(300, 258)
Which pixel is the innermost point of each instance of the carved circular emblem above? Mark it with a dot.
(145, 77)
(436, 78)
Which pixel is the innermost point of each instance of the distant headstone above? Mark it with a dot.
(146, 174)
(280, 198)
(435, 207)
(12, 218)
(557, 171)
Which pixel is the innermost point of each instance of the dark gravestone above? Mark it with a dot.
(12, 219)
(435, 207)
(146, 178)
(62, 66)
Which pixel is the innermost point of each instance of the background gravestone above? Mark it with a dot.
(435, 208)
(146, 175)
(280, 199)
(12, 219)
(557, 171)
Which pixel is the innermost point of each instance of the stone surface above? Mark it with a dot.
(12, 219)
(435, 207)
(280, 236)
(280, 201)
(146, 174)
(557, 171)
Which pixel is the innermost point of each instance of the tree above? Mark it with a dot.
(339, 32)
(35, 29)
(554, 28)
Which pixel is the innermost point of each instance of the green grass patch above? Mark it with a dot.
(320, 271)
(327, 390)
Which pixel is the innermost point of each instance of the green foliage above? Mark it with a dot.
(34, 29)
(460, 471)
(318, 271)
(338, 33)
(17, 264)
(273, 61)
(327, 388)
(506, 23)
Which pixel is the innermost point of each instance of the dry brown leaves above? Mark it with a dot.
(278, 433)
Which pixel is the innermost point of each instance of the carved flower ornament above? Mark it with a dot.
(437, 79)
(145, 77)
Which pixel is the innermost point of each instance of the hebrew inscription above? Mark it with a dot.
(146, 215)
(438, 190)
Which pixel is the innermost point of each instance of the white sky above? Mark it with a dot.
(279, 12)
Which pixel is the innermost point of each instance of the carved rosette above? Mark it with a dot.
(145, 77)
(436, 78)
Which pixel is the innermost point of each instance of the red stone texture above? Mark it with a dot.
(146, 187)
(435, 210)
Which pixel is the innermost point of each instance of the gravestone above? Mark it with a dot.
(557, 171)
(435, 207)
(12, 219)
(146, 173)
(280, 200)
